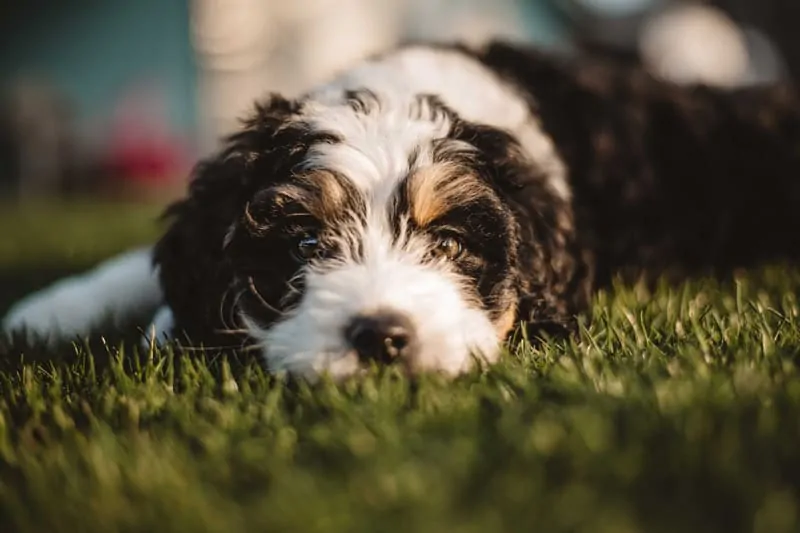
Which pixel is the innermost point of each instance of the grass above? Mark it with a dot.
(677, 410)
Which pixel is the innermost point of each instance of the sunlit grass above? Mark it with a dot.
(677, 410)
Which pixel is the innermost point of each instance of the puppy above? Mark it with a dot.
(418, 207)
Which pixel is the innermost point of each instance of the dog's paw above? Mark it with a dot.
(160, 330)
(63, 311)
(122, 288)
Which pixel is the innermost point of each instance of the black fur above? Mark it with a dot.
(548, 266)
(666, 181)
(196, 260)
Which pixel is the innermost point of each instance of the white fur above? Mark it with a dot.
(451, 333)
(160, 329)
(376, 146)
(117, 289)
(472, 90)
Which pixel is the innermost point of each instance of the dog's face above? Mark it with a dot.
(358, 227)
(384, 242)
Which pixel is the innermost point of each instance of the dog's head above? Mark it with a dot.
(356, 226)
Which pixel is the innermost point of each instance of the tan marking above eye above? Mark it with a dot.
(435, 190)
(330, 192)
(319, 192)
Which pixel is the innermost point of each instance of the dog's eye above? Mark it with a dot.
(448, 247)
(307, 248)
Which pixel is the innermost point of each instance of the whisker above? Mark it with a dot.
(233, 310)
(240, 348)
(254, 290)
(290, 284)
(292, 294)
(222, 307)
(241, 331)
(247, 349)
(246, 345)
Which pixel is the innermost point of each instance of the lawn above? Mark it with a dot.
(672, 411)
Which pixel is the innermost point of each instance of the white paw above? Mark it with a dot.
(117, 290)
(160, 329)
(65, 310)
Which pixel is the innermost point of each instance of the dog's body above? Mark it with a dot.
(422, 204)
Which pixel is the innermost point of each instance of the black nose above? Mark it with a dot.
(382, 337)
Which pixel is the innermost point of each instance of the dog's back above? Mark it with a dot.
(668, 179)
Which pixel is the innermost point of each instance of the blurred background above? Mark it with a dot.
(106, 104)
(116, 99)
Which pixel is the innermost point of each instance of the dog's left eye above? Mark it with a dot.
(307, 248)
(448, 247)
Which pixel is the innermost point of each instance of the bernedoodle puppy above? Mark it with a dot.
(420, 206)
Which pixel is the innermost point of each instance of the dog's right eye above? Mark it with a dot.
(307, 247)
(448, 247)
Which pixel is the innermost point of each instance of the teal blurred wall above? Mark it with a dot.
(93, 49)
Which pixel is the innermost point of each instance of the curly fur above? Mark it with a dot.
(558, 174)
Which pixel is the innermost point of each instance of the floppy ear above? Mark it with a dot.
(553, 272)
(195, 274)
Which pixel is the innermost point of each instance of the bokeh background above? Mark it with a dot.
(118, 98)
(106, 104)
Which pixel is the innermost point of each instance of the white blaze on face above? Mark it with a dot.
(390, 274)
(376, 147)
(374, 153)
(465, 85)
(450, 329)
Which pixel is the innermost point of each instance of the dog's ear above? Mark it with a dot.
(194, 272)
(554, 273)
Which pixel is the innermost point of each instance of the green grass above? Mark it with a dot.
(672, 411)
(58, 234)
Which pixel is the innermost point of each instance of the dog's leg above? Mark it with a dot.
(160, 329)
(118, 290)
